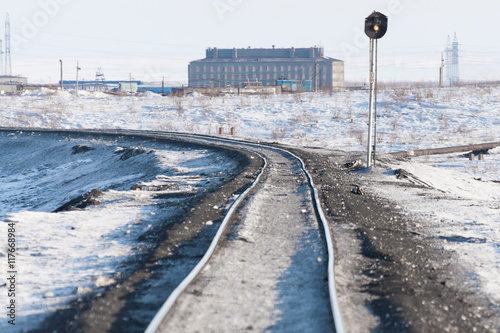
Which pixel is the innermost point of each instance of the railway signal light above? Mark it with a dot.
(375, 28)
(376, 25)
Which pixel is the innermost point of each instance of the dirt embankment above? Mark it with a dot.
(405, 280)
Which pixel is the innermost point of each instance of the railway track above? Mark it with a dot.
(281, 254)
(270, 265)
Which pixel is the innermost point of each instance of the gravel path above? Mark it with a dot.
(271, 273)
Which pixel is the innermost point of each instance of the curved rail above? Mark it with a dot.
(335, 307)
(155, 323)
(337, 316)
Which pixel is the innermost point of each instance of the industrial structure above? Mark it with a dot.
(452, 73)
(8, 64)
(8, 83)
(242, 67)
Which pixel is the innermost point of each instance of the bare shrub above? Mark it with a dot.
(303, 118)
(192, 127)
(463, 130)
(444, 121)
(395, 124)
(393, 138)
(357, 134)
(387, 108)
(400, 95)
(245, 101)
(297, 97)
(380, 137)
(165, 126)
(350, 112)
(418, 94)
(336, 113)
(278, 134)
(179, 104)
(206, 105)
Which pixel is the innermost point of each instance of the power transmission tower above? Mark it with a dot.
(8, 64)
(100, 81)
(1, 57)
(451, 63)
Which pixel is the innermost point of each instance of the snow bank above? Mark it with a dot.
(61, 256)
(455, 208)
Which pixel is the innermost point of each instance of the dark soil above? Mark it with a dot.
(413, 284)
(142, 289)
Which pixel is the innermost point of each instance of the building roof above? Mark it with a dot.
(259, 60)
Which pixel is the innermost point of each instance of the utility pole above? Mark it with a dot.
(375, 28)
(77, 69)
(1, 58)
(372, 103)
(316, 76)
(62, 87)
(441, 72)
(8, 63)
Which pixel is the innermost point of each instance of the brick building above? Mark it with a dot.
(239, 67)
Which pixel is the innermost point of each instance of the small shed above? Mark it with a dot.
(6, 88)
(295, 85)
(127, 87)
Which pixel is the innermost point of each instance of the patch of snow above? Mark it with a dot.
(453, 207)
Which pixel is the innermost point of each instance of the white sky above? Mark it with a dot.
(150, 39)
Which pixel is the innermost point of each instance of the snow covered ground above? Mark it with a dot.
(65, 255)
(458, 201)
(453, 207)
(408, 118)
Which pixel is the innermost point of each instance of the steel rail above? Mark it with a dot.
(335, 307)
(169, 303)
(160, 315)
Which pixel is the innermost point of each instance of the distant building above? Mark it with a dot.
(129, 87)
(13, 79)
(240, 67)
(12, 84)
(6, 88)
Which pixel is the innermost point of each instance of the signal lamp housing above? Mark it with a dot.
(376, 25)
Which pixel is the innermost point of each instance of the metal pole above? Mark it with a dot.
(77, 69)
(371, 102)
(441, 72)
(62, 87)
(316, 77)
(375, 105)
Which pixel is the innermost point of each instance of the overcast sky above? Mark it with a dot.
(150, 39)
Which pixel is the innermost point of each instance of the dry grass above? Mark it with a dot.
(278, 134)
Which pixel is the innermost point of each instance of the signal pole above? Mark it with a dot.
(375, 28)
(62, 87)
(8, 63)
(77, 69)
(441, 72)
(372, 103)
